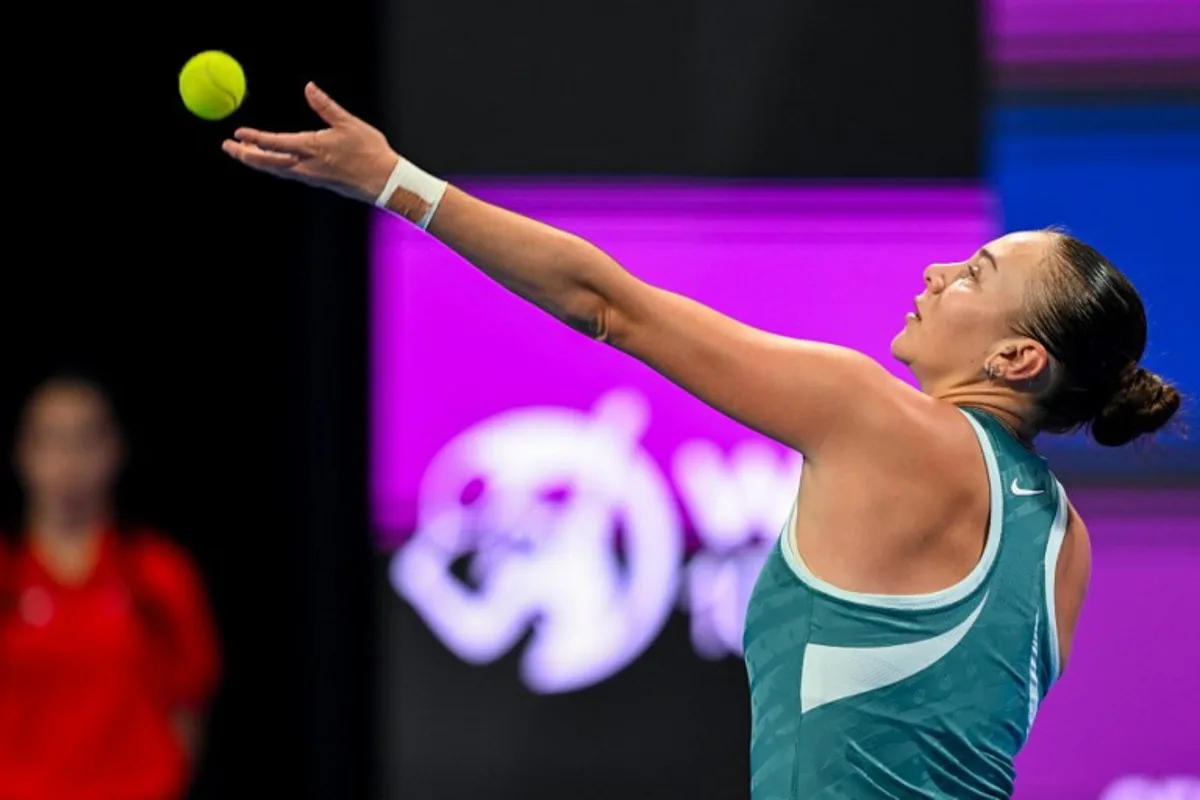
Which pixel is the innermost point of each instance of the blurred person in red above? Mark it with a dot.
(108, 653)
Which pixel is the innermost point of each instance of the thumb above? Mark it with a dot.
(325, 106)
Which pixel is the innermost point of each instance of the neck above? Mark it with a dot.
(1014, 411)
(50, 524)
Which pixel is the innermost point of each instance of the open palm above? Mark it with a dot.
(349, 157)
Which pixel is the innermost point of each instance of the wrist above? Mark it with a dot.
(373, 183)
(411, 193)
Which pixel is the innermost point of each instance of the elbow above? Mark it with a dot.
(619, 315)
(592, 316)
(595, 304)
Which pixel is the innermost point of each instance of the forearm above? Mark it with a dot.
(561, 273)
(566, 276)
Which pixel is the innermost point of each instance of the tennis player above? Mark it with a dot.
(924, 593)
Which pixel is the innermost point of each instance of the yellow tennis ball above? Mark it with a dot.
(212, 85)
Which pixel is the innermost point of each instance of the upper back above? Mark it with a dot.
(950, 678)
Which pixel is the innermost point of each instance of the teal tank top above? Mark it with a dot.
(867, 696)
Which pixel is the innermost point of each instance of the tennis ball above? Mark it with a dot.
(212, 85)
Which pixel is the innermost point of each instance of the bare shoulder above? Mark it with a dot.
(1072, 575)
(889, 412)
(801, 393)
(882, 414)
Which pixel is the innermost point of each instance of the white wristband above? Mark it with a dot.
(413, 179)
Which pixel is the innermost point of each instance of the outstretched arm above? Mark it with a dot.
(793, 391)
(796, 392)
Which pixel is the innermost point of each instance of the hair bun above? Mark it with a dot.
(1141, 404)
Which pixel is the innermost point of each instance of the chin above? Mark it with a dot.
(900, 350)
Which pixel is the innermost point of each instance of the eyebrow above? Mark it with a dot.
(984, 253)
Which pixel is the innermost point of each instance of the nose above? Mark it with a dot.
(935, 277)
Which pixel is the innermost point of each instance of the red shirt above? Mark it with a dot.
(91, 674)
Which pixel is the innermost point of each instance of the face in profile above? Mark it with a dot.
(68, 450)
(966, 313)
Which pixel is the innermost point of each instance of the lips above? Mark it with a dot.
(916, 309)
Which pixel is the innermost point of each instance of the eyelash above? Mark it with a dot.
(973, 271)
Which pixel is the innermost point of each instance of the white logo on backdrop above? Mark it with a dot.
(1141, 787)
(737, 505)
(552, 521)
(559, 522)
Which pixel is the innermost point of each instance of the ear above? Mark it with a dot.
(1020, 361)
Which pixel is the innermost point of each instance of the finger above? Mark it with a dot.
(301, 144)
(325, 106)
(256, 157)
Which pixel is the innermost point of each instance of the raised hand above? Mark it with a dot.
(349, 157)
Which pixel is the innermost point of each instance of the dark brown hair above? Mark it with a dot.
(1092, 322)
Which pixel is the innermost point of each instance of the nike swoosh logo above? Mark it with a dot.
(835, 673)
(1019, 492)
